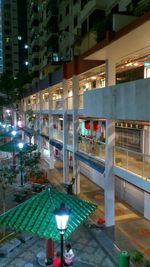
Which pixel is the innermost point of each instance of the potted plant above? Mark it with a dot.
(137, 258)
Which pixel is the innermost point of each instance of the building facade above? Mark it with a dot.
(15, 56)
(94, 114)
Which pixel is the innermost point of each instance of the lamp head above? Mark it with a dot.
(14, 133)
(62, 216)
(20, 145)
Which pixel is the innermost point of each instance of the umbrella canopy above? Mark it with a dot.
(5, 134)
(36, 214)
(12, 146)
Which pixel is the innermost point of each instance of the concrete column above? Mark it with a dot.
(110, 72)
(76, 167)
(146, 205)
(50, 126)
(65, 134)
(51, 148)
(109, 180)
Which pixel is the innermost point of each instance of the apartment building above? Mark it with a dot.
(42, 38)
(1, 44)
(56, 28)
(94, 114)
(15, 57)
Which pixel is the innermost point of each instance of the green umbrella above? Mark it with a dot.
(12, 146)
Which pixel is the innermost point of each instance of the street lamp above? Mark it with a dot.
(20, 145)
(62, 216)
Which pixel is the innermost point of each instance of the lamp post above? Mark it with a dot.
(13, 133)
(20, 145)
(62, 216)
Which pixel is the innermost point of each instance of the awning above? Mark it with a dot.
(36, 214)
(56, 144)
(93, 163)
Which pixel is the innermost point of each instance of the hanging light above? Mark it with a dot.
(87, 125)
(95, 125)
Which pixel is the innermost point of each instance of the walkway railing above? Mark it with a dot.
(93, 148)
(58, 135)
(135, 162)
(129, 160)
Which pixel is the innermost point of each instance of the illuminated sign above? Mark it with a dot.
(146, 64)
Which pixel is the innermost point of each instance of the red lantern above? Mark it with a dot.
(56, 152)
(95, 125)
(87, 125)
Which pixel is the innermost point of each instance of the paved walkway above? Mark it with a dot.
(88, 250)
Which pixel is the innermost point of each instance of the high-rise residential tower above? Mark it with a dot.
(1, 45)
(14, 36)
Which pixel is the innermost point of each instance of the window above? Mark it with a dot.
(60, 18)
(67, 9)
(83, 3)
(75, 21)
(84, 27)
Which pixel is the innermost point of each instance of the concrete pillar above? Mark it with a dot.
(76, 167)
(50, 126)
(110, 72)
(65, 134)
(109, 180)
(49, 244)
(147, 205)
